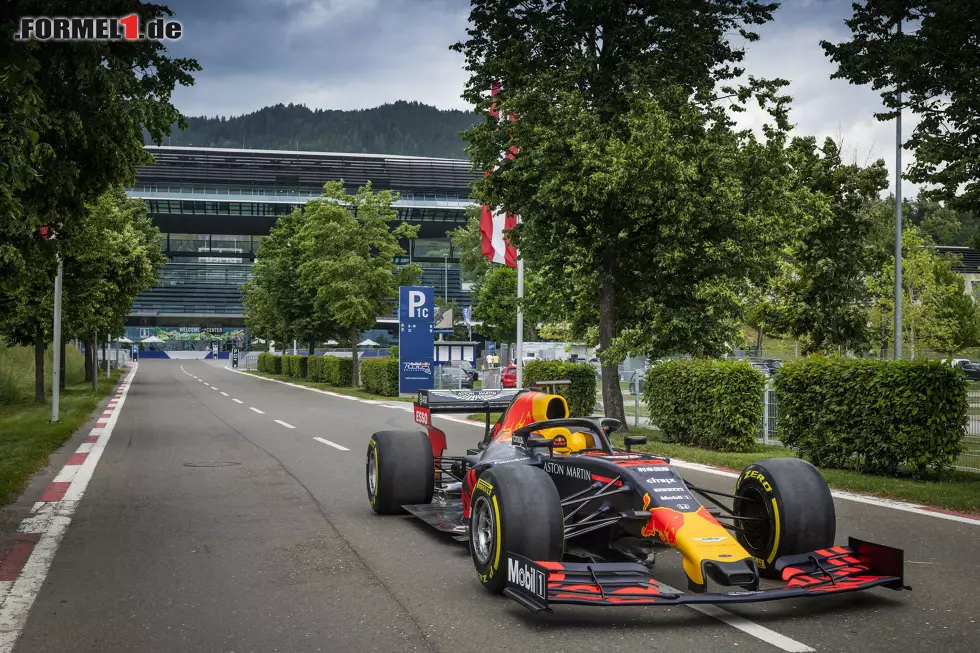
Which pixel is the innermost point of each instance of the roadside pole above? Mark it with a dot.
(108, 347)
(898, 224)
(520, 321)
(56, 347)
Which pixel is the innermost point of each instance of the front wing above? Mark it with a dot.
(858, 566)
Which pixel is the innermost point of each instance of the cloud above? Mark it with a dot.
(349, 54)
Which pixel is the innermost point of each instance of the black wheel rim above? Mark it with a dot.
(753, 504)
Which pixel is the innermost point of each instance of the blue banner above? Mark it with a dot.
(416, 339)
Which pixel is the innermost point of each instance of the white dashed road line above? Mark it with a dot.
(331, 444)
(260, 412)
(224, 393)
(237, 401)
(282, 423)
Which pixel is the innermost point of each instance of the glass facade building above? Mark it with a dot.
(215, 206)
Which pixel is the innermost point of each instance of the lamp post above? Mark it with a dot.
(898, 223)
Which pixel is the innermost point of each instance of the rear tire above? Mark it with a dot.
(516, 509)
(400, 470)
(792, 495)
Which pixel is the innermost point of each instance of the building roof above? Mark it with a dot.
(204, 166)
(969, 259)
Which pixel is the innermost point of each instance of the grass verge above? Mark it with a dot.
(954, 491)
(343, 390)
(27, 436)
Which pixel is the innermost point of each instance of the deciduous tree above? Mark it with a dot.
(929, 69)
(348, 244)
(635, 196)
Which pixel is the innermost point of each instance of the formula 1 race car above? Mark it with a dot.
(553, 513)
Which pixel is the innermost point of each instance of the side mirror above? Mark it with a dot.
(632, 440)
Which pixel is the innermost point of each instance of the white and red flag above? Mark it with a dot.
(496, 246)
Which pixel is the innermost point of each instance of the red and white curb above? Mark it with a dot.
(894, 504)
(24, 568)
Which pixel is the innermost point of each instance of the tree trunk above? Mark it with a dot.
(88, 361)
(612, 394)
(95, 366)
(758, 344)
(312, 348)
(353, 353)
(39, 366)
(63, 367)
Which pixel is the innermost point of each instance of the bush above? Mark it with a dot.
(714, 404)
(380, 376)
(331, 370)
(270, 363)
(294, 366)
(580, 395)
(872, 415)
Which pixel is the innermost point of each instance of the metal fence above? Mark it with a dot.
(969, 460)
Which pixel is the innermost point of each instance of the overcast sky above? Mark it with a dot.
(351, 54)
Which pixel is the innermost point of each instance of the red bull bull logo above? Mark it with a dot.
(663, 522)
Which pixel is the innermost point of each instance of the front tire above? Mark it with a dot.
(399, 470)
(793, 499)
(514, 508)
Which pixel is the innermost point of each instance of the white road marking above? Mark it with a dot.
(51, 520)
(214, 387)
(683, 464)
(331, 444)
(282, 423)
(750, 628)
(260, 412)
(224, 393)
(237, 401)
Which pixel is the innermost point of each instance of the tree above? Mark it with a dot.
(277, 305)
(468, 242)
(957, 314)
(113, 254)
(821, 289)
(347, 248)
(933, 313)
(78, 114)
(496, 307)
(629, 176)
(930, 70)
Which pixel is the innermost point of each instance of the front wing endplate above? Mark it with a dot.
(861, 565)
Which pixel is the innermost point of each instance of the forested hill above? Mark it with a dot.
(407, 128)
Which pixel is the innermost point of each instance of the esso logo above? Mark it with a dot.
(422, 416)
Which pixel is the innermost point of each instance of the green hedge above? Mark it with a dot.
(331, 370)
(380, 376)
(294, 366)
(580, 395)
(872, 415)
(714, 404)
(270, 363)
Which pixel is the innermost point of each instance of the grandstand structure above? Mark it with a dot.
(214, 207)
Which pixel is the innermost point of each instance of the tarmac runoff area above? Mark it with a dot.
(210, 510)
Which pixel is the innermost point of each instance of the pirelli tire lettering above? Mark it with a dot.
(788, 509)
(504, 522)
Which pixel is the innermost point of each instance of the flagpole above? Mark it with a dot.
(520, 321)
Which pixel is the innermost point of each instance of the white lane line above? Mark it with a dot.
(237, 401)
(224, 393)
(331, 444)
(260, 412)
(282, 423)
(214, 387)
(838, 494)
(750, 628)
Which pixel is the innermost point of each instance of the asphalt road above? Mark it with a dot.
(210, 526)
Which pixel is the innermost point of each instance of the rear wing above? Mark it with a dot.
(459, 401)
(465, 401)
